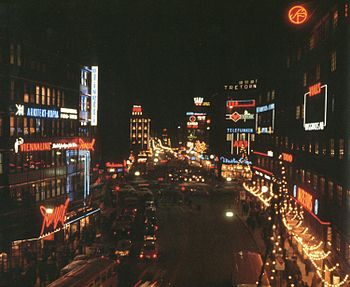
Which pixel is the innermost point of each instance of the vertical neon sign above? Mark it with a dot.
(94, 95)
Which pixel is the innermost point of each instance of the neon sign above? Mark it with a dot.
(297, 15)
(35, 112)
(287, 157)
(265, 119)
(137, 110)
(53, 216)
(45, 146)
(239, 130)
(240, 104)
(70, 114)
(235, 116)
(226, 160)
(315, 107)
(243, 85)
(198, 101)
(305, 198)
(94, 95)
(18, 142)
(240, 144)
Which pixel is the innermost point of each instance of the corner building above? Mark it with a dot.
(311, 128)
(46, 150)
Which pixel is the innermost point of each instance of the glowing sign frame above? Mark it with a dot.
(230, 104)
(239, 130)
(316, 125)
(45, 146)
(262, 109)
(297, 15)
(305, 198)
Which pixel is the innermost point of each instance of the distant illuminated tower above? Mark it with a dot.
(139, 130)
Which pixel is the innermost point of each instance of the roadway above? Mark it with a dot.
(196, 246)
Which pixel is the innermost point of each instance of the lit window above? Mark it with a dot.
(31, 126)
(312, 42)
(12, 54)
(330, 188)
(335, 19)
(318, 72)
(333, 61)
(25, 126)
(43, 95)
(339, 194)
(26, 94)
(305, 79)
(12, 90)
(58, 98)
(341, 148)
(62, 99)
(19, 62)
(317, 148)
(331, 147)
(53, 97)
(37, 95)
(12, 125)
(1, 163)
(273, 94)
(268, 96)
(297, 113)
(48, 96)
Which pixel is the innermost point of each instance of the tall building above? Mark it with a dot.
(45, 154)
(304, 123)
(140, 126)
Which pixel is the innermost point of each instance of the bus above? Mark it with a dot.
(247, 269)
(101, 272)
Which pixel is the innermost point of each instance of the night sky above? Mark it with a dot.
(159, 54)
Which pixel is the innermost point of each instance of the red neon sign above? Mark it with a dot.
(87, 145)
(113, 164)
(240, 104)
(287, 157)
(240, 143)
(297, 15)
(315, 89)
(26, 147)
(137, 109)
(305, 198)
(53, 217)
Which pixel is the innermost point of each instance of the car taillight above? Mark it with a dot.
(141, 255)
(154, 255)
(117, 261)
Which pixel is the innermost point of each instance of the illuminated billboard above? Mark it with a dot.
(265, 119)
(240, 114)
(315, 108)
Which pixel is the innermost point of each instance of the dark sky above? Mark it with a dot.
(161, 53)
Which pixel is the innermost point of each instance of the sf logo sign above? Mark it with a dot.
(297, 15)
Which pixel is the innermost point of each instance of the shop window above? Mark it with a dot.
(333, 61)
(331, 147)
(341, 148)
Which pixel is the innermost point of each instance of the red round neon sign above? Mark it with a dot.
(297, 15)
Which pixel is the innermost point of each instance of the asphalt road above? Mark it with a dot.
(196, 246)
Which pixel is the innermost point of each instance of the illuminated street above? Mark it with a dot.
(174, 143)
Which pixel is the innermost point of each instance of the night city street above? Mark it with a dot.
(174, 143)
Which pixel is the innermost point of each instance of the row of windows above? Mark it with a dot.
(318, 183)
(23, 126)
(333, 148)
(44, 190)
(16, 58)
(320, 33)
(270, 96)
(35, 94)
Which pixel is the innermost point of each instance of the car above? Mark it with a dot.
(123, 248)
(71, 266)
(151, 222)
(149, 250)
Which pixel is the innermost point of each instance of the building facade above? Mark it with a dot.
(308, 117)
(140, 126)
